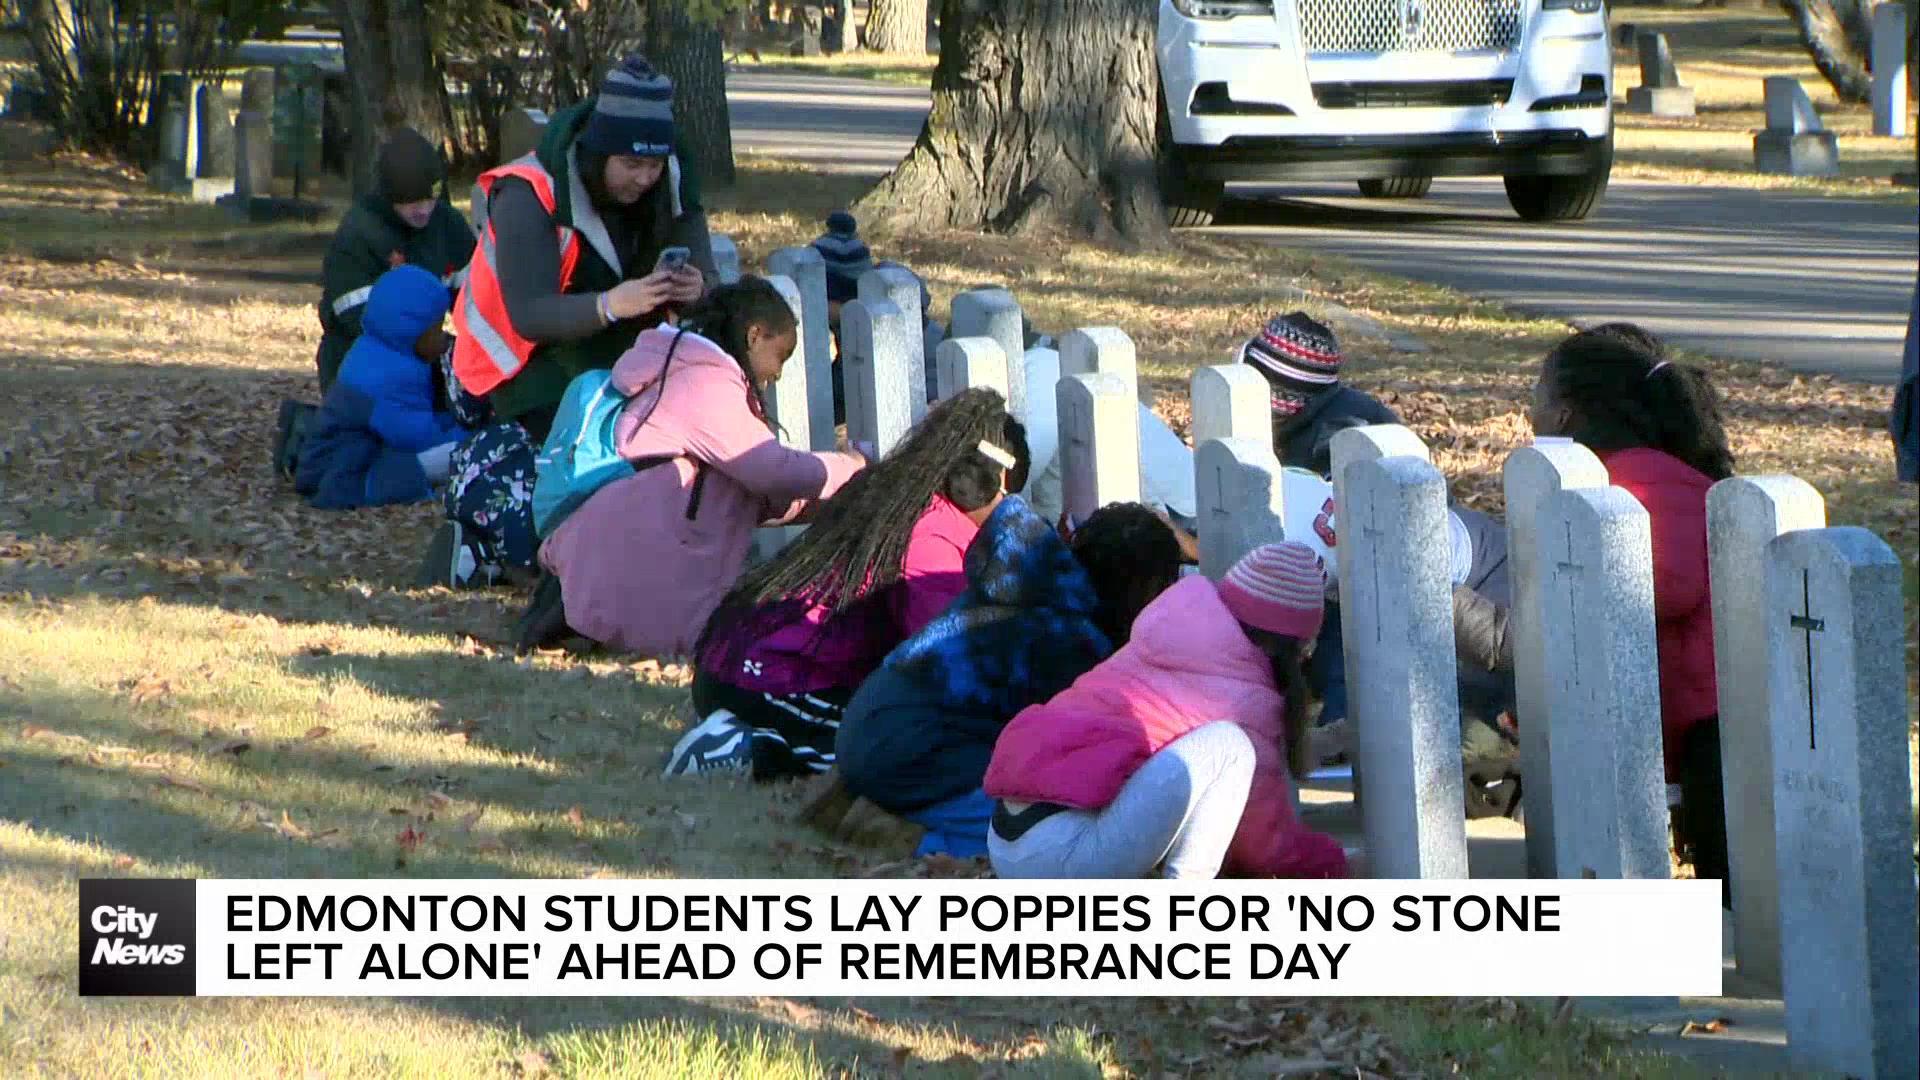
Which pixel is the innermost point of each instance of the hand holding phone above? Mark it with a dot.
(672, 260)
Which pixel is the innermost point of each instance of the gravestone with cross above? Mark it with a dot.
(1843, 818)
(809, 273)
(1891, 33)
(1532, 475)
(787, 404)
(876, 340)
(964, 363)
(1104, 349)
(1238, 484)
(1396, 611)
(1602, 667)
(1659, 92)
(1794, 143)
(995, 314)
(1744, 513)
(1230, 401)
(1099, 443)
(897, 285)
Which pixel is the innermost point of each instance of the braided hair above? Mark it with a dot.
(724, 315)
(857, 543)
(1131, 555)
(1625, 393)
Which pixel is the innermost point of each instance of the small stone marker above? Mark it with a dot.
(898, 285)
(787, 404)
(1842, 803)
(994, 313)
(1532, 475)
(810, 24)
(1099, 443)
(1890, 86)
(968, 362)
(726, 263)
(520, 133)
(1659, 92)
(1744, 513)
(809, 273)
(253, 155)
(1237, 482)
(257, 91)
(1794, 143)
(175, 164)
(1230, 401)
(1396, 612)
(1595, 549)
(875, 340)
(1104, 349)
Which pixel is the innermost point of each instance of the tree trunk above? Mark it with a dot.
(692, 54)
(845, 35)
(393, 78)
(1839, 35)
(897, 26)
(1044, 116)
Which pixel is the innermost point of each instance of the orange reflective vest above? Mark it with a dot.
(487, 351)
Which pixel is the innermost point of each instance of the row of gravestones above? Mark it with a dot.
(1809, 623)
(213, 153)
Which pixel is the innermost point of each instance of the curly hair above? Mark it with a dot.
(1132, 556)
(1625, 393)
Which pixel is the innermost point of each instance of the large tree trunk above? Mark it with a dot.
(692, 54)
(1044, 116)
(898, 27)
(1839, 35)
(393, 78)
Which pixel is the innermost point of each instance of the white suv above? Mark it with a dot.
(1391, 93)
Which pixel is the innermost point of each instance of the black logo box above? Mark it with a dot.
(109, 902)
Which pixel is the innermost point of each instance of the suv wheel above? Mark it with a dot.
(1397, 187)
(1192, 203)
(1561, 198)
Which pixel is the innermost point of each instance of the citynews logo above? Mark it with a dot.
(136, 937)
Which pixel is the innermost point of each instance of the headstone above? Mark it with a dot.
(1842, 802)
(1237, 483)
(213, 176)
(1230, 401)
(1396, 612)
(1659, 92)
(875, 340)
(1890, 85)
(842, 34)
(787, 404)
(1594, 549)
(726, 263)
(969, 362)
(809, 272)
(172, 169)
(1744, 513)
(520, 133)
(257, 92)
(898, 286)
(1532, 475)
(810, 25)
(1794, 143)
(1104, 349)
(252, 155)
(296, 125)
(994, 313)
(1099, 443)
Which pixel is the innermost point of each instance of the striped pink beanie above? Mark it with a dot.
(1278, 587)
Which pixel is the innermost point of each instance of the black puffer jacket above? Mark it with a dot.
(1481, 607)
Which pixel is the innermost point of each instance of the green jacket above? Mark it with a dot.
(370, 241)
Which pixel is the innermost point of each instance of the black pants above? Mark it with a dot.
(793, 734)
(1700, 824)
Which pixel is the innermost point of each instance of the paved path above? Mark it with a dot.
(1818, 283)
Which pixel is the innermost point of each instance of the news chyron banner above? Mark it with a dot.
(519, 938)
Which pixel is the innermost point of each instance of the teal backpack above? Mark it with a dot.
(580, 456)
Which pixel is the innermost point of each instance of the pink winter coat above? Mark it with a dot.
(641, 565)
(1187, 664)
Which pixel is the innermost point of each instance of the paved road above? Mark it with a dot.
(1820, 284)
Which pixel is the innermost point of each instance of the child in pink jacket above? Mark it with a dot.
(1177, 751)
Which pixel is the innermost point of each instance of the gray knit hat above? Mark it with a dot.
(633, 114)
(845, 254)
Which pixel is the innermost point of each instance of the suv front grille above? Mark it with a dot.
(1413, 95)
(1387, 26)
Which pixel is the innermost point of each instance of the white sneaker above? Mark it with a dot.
(718, 743)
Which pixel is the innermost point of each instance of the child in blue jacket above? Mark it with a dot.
(380, 439)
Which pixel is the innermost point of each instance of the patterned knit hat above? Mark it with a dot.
(633, 114)
(846, 255)
(1279, 588)
(1299, 357)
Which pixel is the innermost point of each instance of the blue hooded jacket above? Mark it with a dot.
(380, 413)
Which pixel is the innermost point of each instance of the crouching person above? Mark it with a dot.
(1179, 752)
(380, 438)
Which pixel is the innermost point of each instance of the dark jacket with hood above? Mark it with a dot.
(1905, 421)
(614, 248)
(921, 729)
(380, 413)
(372, 239)
(1305, 439)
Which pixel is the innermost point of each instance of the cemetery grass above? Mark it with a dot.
(201, 677)
(896, 70)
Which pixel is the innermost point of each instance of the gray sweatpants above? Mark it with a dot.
(1179, 811)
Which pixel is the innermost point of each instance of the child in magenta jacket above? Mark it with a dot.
(1177, 751)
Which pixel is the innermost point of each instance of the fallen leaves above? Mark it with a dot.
(1709, 1027)
(149, 690)
(410, 838)
(171, 781)
(315, 733)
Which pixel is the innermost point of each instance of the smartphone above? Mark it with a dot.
(672, 259)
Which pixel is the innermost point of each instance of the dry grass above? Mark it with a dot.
(201, 677)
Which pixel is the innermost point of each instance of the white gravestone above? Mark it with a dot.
(520, 133)
(898, 286)
(1230, 401)
(809, 272)
(1890, 87)
(1105, 349)
(1659, 92)
(1532, 475)
(787, 403)
(1843, 802)
(1238, 485)
(1397, 612)
(1794, 143)
(969, 362)
(726, 265)
(1744, 513)
(1099, 443)
(994, 313)
(874, 352)
(1594, 547)
(1166, 461)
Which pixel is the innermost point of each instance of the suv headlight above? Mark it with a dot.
(1584, 7)
(1230, 9)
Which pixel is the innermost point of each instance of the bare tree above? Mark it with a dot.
(689, 51)
(897, 26)
(1839, 35)
(395, 77)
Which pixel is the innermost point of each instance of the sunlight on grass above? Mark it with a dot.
(659, 1051)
